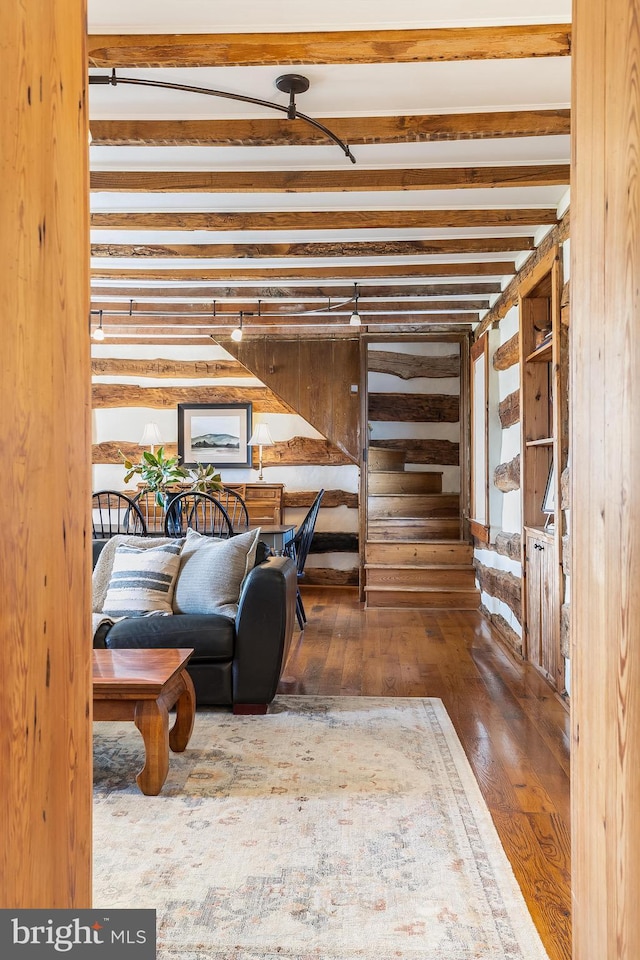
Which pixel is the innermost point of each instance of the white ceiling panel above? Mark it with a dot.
(246, 16)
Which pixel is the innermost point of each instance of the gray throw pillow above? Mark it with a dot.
(212, 572)
(142, 581)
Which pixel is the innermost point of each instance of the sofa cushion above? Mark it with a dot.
(103, 554)
(142, 580)
(211, 637)
(212, 572)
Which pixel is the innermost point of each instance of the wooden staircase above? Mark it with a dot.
(414, 556)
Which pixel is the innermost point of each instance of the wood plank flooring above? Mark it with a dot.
(514, 730)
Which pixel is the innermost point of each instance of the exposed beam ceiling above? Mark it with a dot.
(460, 130)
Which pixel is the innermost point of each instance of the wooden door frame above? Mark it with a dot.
(463, 338)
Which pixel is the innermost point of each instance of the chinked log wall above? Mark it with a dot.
(497, 583)
(325, 407)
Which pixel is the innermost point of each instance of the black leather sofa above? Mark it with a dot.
(235, 663)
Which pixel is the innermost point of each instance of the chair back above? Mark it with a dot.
(151, 510)
(113, 512)
(299, 546)
(198, 511)
(235, 506)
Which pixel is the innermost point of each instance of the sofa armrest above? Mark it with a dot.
(264, 627)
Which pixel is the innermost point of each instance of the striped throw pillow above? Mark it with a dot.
(142, 581)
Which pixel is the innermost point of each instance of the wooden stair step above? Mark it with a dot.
(451, 598)
(420, 575)
(418, 551)
(412, 506)
(396, 481)
(381, 458)
(420, 528)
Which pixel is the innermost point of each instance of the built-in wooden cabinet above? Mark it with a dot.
(543, 456)
(542, 604)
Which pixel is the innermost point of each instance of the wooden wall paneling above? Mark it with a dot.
(317, 386)
(312, 377)
(605, 467)
(45, 649)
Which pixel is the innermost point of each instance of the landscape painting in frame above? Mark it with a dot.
(214, 433)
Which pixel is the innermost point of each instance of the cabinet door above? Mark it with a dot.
(534, 605)
(550, 641)
(543, 642)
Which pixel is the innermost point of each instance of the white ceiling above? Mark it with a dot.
(337, 90)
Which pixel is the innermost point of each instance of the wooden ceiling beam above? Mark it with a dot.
(326, 219)
(353, 130)
(281, 308)
(352, 273)
(328, 181)
(339, 46)
(361, 248)
(130, 290)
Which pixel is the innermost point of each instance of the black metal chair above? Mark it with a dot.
(236, 508)
(198, 511)
(298, 549)
(113, 512)
(152, 511)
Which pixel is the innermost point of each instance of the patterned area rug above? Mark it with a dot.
(338, 828)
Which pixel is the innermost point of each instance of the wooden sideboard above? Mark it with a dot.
(264, 501)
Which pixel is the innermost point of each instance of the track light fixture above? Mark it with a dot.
(291, 83)
(236, 334)
(354, 319)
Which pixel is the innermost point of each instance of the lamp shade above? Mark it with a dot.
(150, 435)
(261, 436)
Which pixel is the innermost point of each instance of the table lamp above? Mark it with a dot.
(261, 438)
(150, 435)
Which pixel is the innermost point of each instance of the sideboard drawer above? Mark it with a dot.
(263, 500)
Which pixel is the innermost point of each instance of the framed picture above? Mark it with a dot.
(549, 500)
(216, 433)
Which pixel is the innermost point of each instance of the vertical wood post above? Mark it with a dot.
(605, 475)
(45, 647)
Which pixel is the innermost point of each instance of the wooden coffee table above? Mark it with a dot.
(143, 685)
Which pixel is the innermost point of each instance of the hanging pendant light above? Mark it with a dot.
(236, 334)
(98, 333)
(354, 319)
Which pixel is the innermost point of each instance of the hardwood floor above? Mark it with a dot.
(514, 730)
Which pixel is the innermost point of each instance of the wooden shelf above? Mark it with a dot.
(543, 442)
(542, 353)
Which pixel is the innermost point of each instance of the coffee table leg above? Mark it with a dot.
(185, 715)
(152, 720)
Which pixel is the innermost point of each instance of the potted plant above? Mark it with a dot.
(205, 479)
(158, 472)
